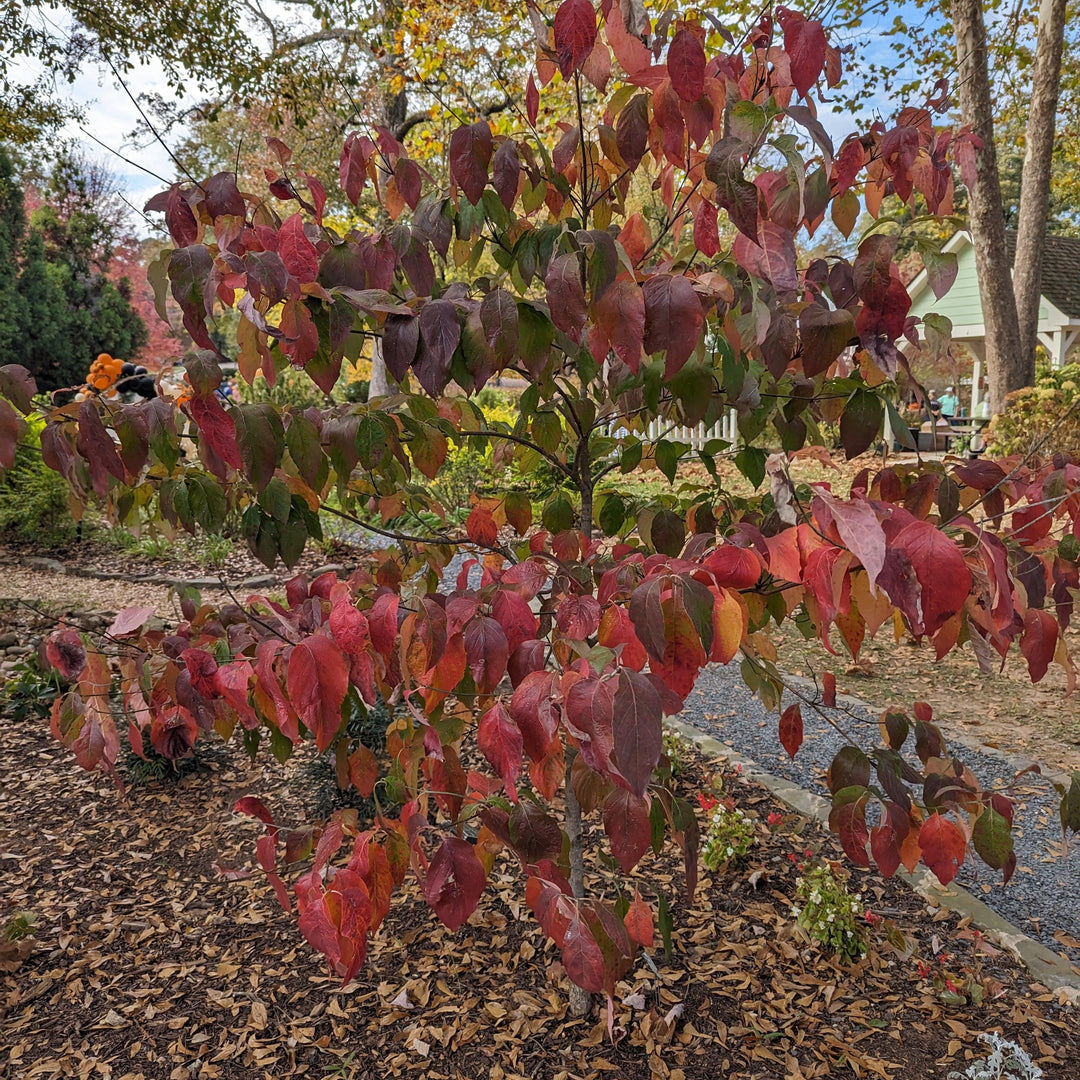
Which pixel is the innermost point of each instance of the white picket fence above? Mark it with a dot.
(695, 437)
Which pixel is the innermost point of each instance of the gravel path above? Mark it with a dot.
(1043, 897)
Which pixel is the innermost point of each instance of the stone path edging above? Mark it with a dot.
(1051, 970)
(55, 566)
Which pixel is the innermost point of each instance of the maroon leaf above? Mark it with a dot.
(637, 729)
(1039, 642)
(848, 820)
(673, 319)
(95, 444)
(487, 652)
(455, 881)
(626, 822)
(620, 316)
(686, 65)
(566, 297)
(575, 34)
(18, 386)
(737, 195)
(632, 130)
(66, 653)
(506, 172)
(470, 155)
(791, 729)
(532, 100)
(223, 196)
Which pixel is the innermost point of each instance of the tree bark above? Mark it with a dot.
(1035, 179)
(379, 386)
(580, 1000)
(1003, 352)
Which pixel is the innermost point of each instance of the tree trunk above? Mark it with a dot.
(379, 387)
(1003, 353)
(1035, 179)
(580, 1000)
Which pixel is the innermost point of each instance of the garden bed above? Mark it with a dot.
(149, 963)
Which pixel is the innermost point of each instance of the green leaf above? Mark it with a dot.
(860, 423)
(667, 458)
(750, 461)
(276, 500)
(558, 515)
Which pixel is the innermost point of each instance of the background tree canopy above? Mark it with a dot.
(58, 307)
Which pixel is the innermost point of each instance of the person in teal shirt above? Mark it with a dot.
(949, 403)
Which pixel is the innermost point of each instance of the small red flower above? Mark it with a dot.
(871, 918)
(706, 802)
(775, 819)
(792, 856)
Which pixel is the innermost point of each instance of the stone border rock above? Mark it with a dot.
(1053, 971)
(264, 581)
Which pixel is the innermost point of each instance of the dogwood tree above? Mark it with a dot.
(643, 268)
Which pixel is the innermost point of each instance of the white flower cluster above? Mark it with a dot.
(730, 836)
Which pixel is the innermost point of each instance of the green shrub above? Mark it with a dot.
(1030, 415)
(827, 912)
(34, 499)
(30, 690)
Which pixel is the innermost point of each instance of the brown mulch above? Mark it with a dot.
(149, 964)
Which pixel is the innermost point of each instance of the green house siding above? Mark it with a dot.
(961, 304)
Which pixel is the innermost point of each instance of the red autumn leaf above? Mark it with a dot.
(1039, 642)
(66, 653)
(620, 316)
(885, 848)
(804, 42)
(686, 65)
(506, 172)
(578, 616)
(454, 882)
(499, 740)
(706, 229)
(848, 820)
(940, 570)
(639, 922)
(574, 30)
(582, 958)
(297, 251)
(512, 612)
(363, 770)
(481, 528)
(317, 681)
(566, 297)
(828, 690)
(637, 729)
(943, 846)
(791, 729)
(532, 100)
(216, 428)
(487, 652)
(470, 155)
(674, 319)
(96, 445)
(626, 822)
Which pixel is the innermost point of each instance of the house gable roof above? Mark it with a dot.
(1060, 269)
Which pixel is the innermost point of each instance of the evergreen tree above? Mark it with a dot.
(47, 347)
(12, 227)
